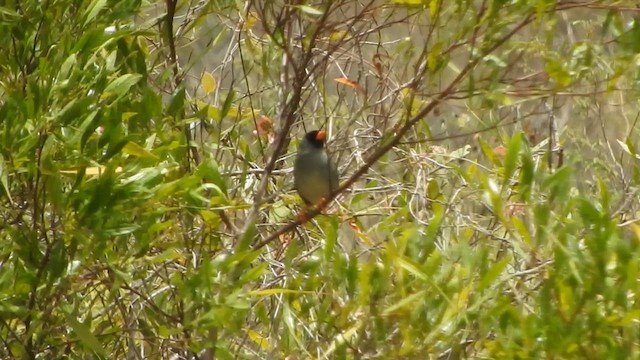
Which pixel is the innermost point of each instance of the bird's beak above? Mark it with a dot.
(321, 136)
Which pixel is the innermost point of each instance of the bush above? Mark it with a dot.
(488, 166)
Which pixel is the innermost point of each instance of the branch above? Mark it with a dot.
(390, 144)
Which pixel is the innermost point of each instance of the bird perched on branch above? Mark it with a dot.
(315, 175)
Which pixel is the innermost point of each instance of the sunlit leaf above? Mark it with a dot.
(120, 86)
(410, 2)
(309, 10)
(269, 292)
(258, 339)
(208, 82)
(134, 149)
(93, 9)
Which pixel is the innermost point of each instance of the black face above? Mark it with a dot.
(312, 138)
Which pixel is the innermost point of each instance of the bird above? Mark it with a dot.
(315, 174)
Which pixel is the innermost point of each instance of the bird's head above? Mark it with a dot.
(316, 138)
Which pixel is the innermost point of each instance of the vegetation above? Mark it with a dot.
(488, 206)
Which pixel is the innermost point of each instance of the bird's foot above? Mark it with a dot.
(320, 207)
(302, 216)
(322, 204)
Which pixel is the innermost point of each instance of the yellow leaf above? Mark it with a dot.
(128, 115)
(433, 7)
(250, 21)
(233, 112)
(337, 36)
(408, 2)
(272, 291)
(136, 150)
(636, 230)
(90, 171)
(208, 82)
(94, 170)
(458, 303)
(258, 339)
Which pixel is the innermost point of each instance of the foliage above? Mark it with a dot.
(488, 153)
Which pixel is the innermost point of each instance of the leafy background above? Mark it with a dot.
(488, 160)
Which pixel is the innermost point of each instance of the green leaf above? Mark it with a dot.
(73, 110)
(411, 267)
(488, 152)
(55, 192)
(559, 183)
(604, 193)
(9, 15)
(309, 10)
(351, 275)
(527, 174)
(3, 180)
(93, 10)
(134, 149)
(331, 237)
(65, 69)
(87, 129)
(558, 73)
(120, 86)
(435, 59)
(247, 239)
(173, 187)
(85, 335)
(209, 172)
(513, 152)
(493, 273)
(176, 106)
(253, 273)
(630, 39)
(410, 300)
(434, 224)
(228, 101)
(276, 291)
